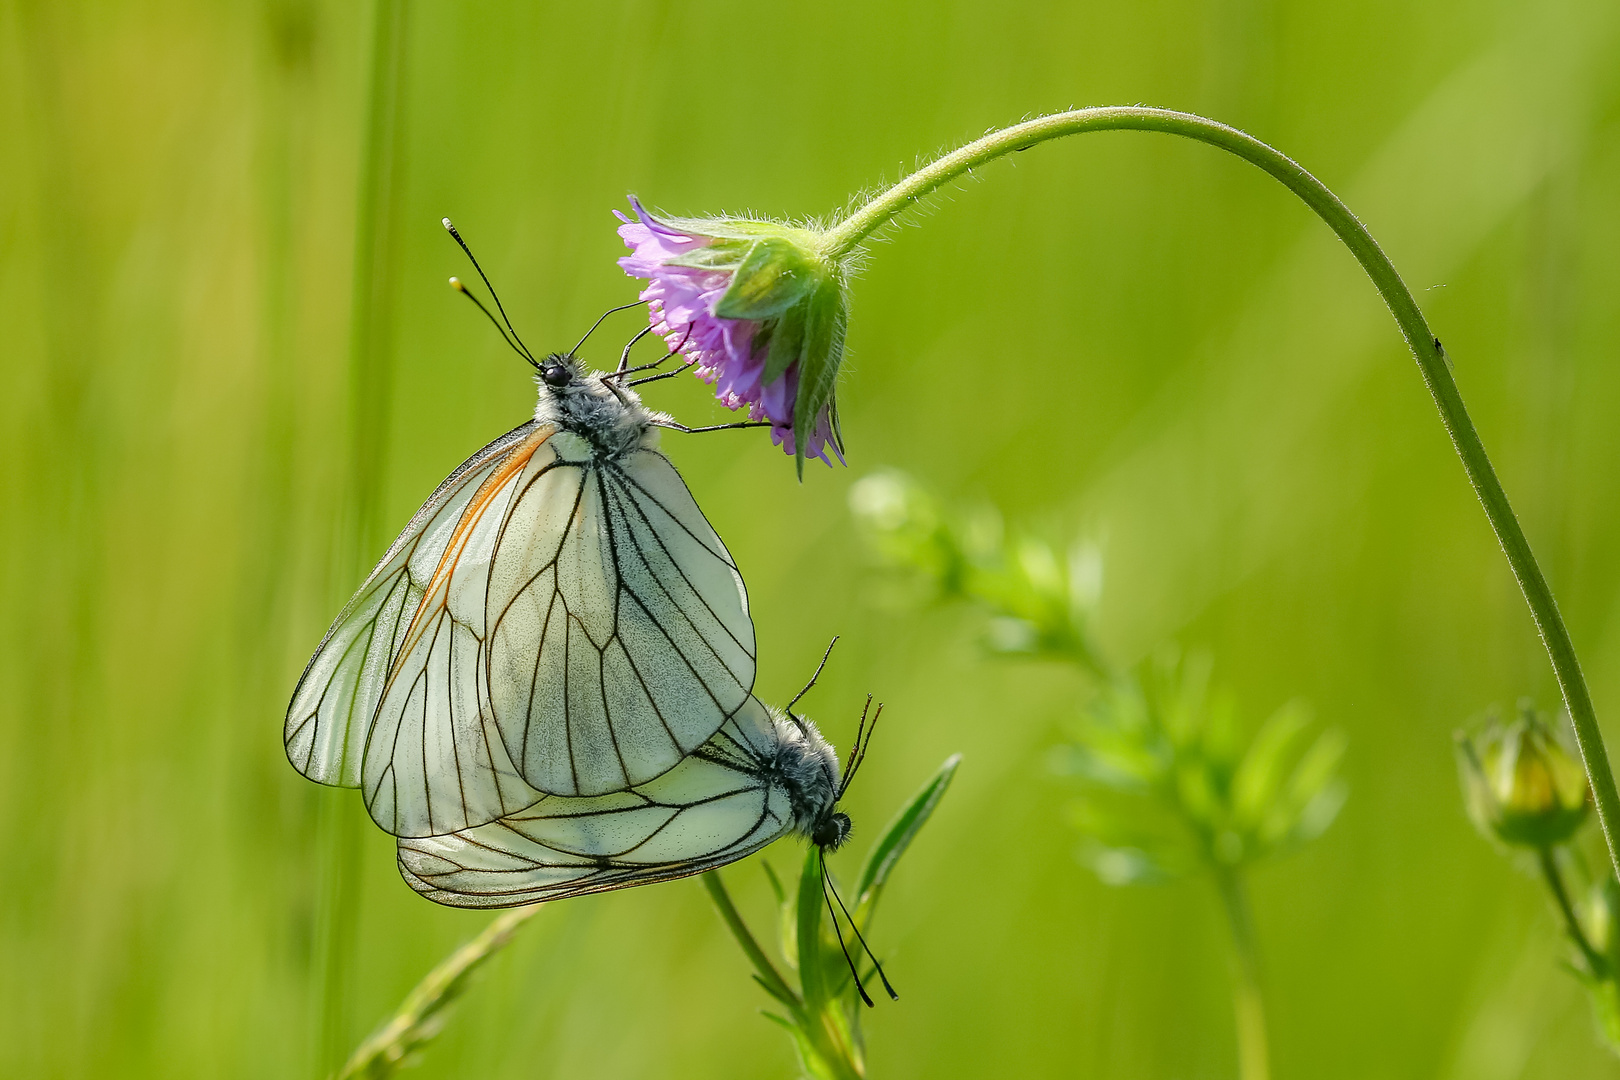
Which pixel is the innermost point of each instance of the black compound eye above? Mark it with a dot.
(832, 831)
(554, 374)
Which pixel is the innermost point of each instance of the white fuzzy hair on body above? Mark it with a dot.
(610, 417)
(807, 767)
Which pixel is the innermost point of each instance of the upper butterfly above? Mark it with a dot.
(558, 618)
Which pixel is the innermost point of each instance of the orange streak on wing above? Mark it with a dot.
(437, 593)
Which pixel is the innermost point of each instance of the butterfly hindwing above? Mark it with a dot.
(716, 806)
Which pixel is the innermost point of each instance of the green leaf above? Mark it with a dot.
(898, 834)
(1260, 776)
(774, 275)
(786, 345)
(1314, 794)
(808, 1057)
(811, 967)
(774, 991)
(1317, 767)
(720, 255)
(818, 367)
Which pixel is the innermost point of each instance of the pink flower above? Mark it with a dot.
(754, 307)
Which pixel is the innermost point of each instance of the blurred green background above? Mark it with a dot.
(1123, 335)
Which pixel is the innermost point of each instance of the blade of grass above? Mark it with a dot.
(898, 834)
(369, 386)
(421, 1015)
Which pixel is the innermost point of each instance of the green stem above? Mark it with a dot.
(739, 930)
(370, 349)
(1431, 360)
(371, 325)
(1595, 963)
(1248, 1005)
(819, 1033)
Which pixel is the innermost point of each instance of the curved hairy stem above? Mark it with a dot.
(1426, 350)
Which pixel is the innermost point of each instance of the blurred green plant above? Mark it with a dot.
(1170, 787)
(1169, 784)
(822, 1012)
(1040, 600)
(422, 1015)
(1526, 793)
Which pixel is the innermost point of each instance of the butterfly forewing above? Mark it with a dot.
(549, 622)
(433, 761)
(337, 697)
(716, 806)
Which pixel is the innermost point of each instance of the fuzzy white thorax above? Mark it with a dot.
(610, 417)
(807, 767)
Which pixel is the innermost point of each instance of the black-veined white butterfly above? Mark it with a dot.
(558, 620)
(764, 774)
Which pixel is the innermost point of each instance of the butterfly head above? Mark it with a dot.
(610, 417)
(558, 370)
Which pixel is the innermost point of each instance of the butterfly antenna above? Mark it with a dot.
(857, 752)
(871, 730)
(455, 283)
(893, 996)
(827, 893)
(451, 229)
(854, 749)
(598, 322)
(814, 677)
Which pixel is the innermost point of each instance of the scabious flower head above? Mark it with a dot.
(758, 311)
(1522, 787)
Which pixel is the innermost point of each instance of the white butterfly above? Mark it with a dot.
(558, 620)
(764, 774)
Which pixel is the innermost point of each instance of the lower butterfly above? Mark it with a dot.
(766, 773)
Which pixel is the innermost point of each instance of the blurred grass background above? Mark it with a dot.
(1120, 335)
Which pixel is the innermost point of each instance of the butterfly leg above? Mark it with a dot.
(712, 427)
(623, 371)
(624, 357)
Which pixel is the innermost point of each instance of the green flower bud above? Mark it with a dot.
(1521, 786)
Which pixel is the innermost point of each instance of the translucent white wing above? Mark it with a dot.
(620, 638)
(546, 623)
(330, 721)
(716, 806)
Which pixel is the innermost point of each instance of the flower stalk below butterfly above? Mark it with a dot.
(818, 991)
(758, 309)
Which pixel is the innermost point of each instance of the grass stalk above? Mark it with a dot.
(1254, 1059)
(370, 385)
